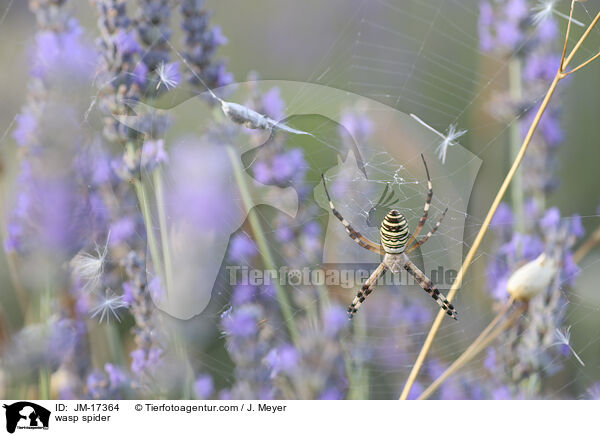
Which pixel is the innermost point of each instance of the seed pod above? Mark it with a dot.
(532, 278)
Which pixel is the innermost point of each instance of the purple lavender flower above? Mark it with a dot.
(107, 384)
(204, 387)
(282, 359)
(126, 42)
(116, 375)
(97, 385)
(551, 219)
(27, 125)
(577, 228)
(502, 393)
(242, 248)
(358, 125)
(273, 104)
(500, 25)
(248, 347)
(243, 294)
(332, 394)
(242, 323)
(44, 345)
(152, 27)
(145, 360)
(56, 52)
(200, 44)
(284, 233)
(153, 154)
(122, 230)
(335, 319)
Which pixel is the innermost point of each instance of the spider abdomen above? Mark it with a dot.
(394, 232)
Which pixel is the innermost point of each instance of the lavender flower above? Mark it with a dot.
(529, 33)
(43, 345)
(204, 387)
(49, 212)
(132, 52)
(200, 44)
(57, 209)
(505, 28)
(242, 248)
(527, 347)
(248, 344)
(108, 384)
(152, 27)
(119, 71)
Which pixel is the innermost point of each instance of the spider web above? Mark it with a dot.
(419, 57)
(401, 57)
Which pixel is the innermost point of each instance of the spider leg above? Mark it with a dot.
(426, 208)
(430, 288)
(366, 289)
(417, 244)
(356, 236)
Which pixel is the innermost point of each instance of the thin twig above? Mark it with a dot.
(485, 225)
(579, 67)
(562, 58)
(481, 343)
(478, 239)
(581, 40)
(585, 248)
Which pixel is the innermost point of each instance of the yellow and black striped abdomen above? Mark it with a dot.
(394, 232)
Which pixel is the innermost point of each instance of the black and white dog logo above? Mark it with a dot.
(26, 415)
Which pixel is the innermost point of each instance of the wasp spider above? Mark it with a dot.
(396, 243)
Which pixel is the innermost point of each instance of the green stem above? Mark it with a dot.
(45, 311)
(44, 384)
(516, 190)
(359, 381)
(181, 352)
(143, 200)
(263, 246)
(114, 344)
(162, 222)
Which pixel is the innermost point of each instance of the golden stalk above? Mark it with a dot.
(560, 74)
(585, 248)
(480, 344)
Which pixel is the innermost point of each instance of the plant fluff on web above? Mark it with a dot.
(534, 239)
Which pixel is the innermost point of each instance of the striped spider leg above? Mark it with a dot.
(366, 289)
(356, 236)
(395, 244)
(423, 219)
(420, 242)
(429, 287)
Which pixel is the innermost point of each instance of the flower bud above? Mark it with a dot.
(532, 278)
